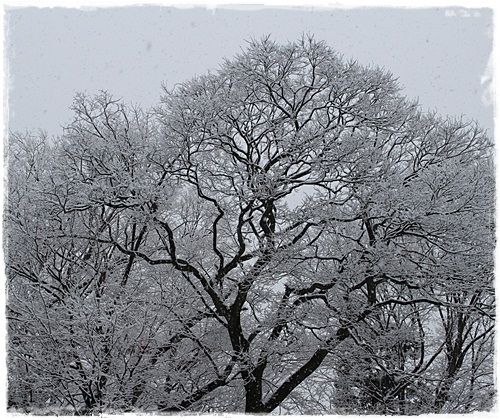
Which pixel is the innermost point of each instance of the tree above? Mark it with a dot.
(228, 250)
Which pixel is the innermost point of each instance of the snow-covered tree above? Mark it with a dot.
(287, 234)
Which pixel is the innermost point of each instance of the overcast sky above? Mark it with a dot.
(440, 55)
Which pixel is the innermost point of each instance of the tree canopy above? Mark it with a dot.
(286, 234)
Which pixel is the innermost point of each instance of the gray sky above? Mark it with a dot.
(440, 55)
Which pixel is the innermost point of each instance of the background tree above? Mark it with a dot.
(288, 233)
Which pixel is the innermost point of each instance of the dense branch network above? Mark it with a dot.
(287, 227)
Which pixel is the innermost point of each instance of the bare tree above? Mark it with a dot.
(284, 234)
